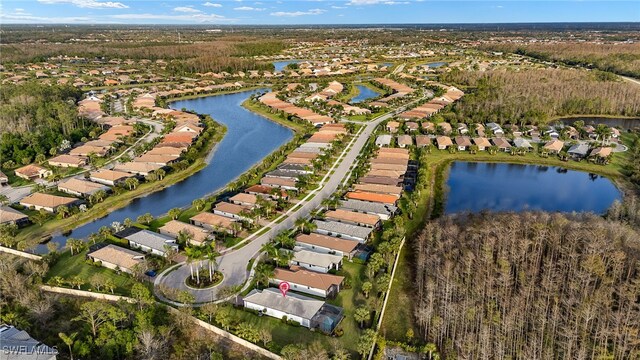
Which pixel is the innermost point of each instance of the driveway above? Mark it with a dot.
(233, 264)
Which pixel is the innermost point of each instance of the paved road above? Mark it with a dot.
(233, 264)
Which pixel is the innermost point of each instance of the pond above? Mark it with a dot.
(623, 123)
(280, 65)
(364, 93)
(513, 187)
(436, 64)
(248, 140)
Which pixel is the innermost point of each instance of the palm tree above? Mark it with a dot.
(305, 225)
(184, 237)
(361, 315)
(4, 200)
(68, 340)
(603, 131)
(174, 213)
(75, 245)
(264, 272)
(211, 254)
(193, 254)
(236, 227)
(366, 288)
(198, 204)
(161, 173)
(63, 211)
(271, 250)
(132, 183)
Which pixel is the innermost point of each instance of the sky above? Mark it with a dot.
(303, 12)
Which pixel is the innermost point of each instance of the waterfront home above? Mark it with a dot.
(354, 218)
(404, 141)
(244, 199)
(372, 197)
(422, 140)
(463, 142)
(151, 242)
(342, 230)
(197, 235)
(393, 152)
(213, 222)
(109, 177)
(166, 151)
(66, 161)
(12, 216)
(502, 143)
(137, 168)
(319, 262)
(495, 129)
(554, 146)
(443, 142)
(522, 143)
(283, 174)
(162, 160)
(578, 151)
(232, 211)
(117, 258)
(33, 171)
(389, 166)
(309, 282)
(298, 168)
(383, 140)
(17, 344)
(395, 174)
(482, 143)
(47, 202)
(384, 211)
(306, 311)
(188, 127)
(286, 184)
(379, 188)
(601, 152)
(267, 192)
(81, 187)
(4, 179)
(327, 244)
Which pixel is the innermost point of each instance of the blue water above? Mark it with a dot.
(280, 65)
(436, 64)
(505, 187)
(364, 93)
(248, 140)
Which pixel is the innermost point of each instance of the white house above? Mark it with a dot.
(314, 261)
(270, 301)
(151, 242)
(310, 282)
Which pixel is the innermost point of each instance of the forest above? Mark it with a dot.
(92, 329)
(622, 59)
(538, 95)
(36, 118)
(529, 285)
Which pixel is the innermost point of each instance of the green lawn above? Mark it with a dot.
(68, 266)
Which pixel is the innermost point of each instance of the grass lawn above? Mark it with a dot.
(262, 110)
(68, 266)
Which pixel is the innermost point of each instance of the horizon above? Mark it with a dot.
(313, 12)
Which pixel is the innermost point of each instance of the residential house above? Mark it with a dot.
(502, 144)
(373, 197)
(33, 171)
(117, 258)
(213, 222)
(80, 187)
(309, 282)
(482, 143)
(495, 129)
(444, 128)
(383, 140)
(522, 143)
(463, 142)
(244, 199)
(343, 230)
(443, 142)
(17, 344)
(327, 244)
(12, 216)
(66, 161)
(355, 218)
(579, 151)
(319, 262)
(109, 177)
(151, 242)
(422, 140)
(392, 126)
(287, 184)
(404, 141)
(384, 211)
(4, 179)
(232, 211)
(197, 235)
(554, 146)
(47, 202)
(137, 168)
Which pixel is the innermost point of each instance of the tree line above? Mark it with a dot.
(529, 285)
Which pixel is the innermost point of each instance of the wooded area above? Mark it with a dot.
(623, 59)
(36, 118)
(530, 285)
(536, 95)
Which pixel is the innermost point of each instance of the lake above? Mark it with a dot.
(506, 187)
(280, 65)
(249, 139)
(436, 64)
(364, 93)
(623, 123)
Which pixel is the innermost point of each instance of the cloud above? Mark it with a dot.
(338, 7)
(209, 3)
(376, 2)
(248, 8)
(89, 4)
(186, 9)
(298, 13)
(22, 18)
(200, 17)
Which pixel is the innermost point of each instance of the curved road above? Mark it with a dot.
(233, 264)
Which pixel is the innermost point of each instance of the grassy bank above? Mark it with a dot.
(263, 111)
(222, 92)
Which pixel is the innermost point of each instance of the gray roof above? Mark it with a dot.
(520, 142)
(307, 149)
(365, 206)
(293, 304)
(580, 149)
(151, 239)
(342, 228)
(17, 344)
(294, 168)
(287, 174)
(383, 140)
(315, 145)
(314, 258)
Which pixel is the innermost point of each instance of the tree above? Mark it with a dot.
(198, 204)
(265, 336)
(362, 315)
(211, 254)
(68, 340)
(304, 225)
(224, 317)
(75, 245)
(365, 342)
(194, 254)
(161, 173)
(263, 273)
(96, 313)
(366, 288)
(132, 183)
(77, 282)
(174, 213)
(248, 332)
(142, 295)
(4, 200)
(145, 218)
(209, 310)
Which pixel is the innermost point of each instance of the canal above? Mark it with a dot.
(513, 187)
(249, 138)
